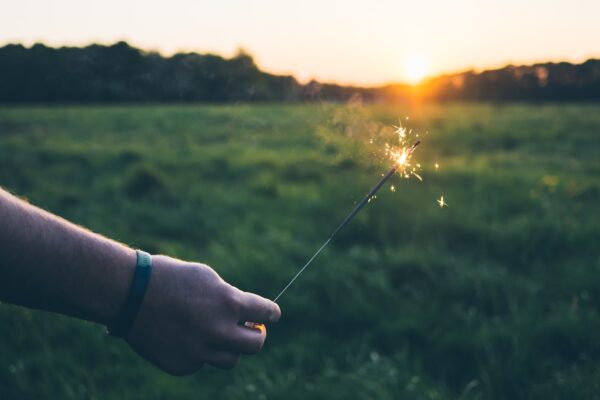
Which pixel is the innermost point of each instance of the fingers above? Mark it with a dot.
(245, 340)
(258, 309)
(248, 338)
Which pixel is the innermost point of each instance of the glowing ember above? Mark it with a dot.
(401, 154)
(441, 202)
(402, 157)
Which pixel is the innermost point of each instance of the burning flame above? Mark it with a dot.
(399, 156)
(402, 156)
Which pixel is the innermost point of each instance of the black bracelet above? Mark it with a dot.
(122, 323)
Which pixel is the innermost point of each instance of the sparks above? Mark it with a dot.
(401, 153)
(400, 131)
(402, 157)
(441, 202)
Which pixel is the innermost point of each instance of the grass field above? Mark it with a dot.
(495, 297)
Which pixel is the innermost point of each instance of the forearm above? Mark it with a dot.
(49, 263)
(189, 315)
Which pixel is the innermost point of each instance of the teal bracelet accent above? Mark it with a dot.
(143, 268)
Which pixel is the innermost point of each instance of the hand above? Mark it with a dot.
(190, 316)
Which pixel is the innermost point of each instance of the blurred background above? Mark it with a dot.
(239, 134)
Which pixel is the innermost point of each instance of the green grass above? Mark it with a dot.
(496, 296)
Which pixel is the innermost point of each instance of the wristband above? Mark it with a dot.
(143, 268)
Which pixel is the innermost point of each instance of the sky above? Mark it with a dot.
(365, 42)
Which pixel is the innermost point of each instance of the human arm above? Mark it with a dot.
(189, 315)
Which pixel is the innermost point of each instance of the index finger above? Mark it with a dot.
(258, 309)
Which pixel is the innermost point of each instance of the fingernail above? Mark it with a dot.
(275, 313)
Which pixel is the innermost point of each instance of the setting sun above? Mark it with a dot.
(415, 69)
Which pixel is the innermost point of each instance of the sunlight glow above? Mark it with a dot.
(415, 69)
(367, 47)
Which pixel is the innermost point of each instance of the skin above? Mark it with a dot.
(189, 316)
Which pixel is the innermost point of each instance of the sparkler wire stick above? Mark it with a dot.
(350, 216)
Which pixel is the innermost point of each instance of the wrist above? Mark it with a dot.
(121, 271)
(122, 323)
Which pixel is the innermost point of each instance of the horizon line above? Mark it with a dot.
(166, 54)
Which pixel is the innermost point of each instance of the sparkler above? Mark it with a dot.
(401, 159)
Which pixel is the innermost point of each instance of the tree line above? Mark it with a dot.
(122, 73)
(561, 81)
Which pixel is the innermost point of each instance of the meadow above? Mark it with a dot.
(496, 296)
